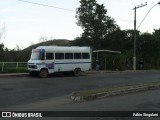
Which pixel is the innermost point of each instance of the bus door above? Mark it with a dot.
(50, 61)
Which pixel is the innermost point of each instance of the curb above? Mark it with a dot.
(102, 72)
(13, 74)
(119, 71)
(80, 98)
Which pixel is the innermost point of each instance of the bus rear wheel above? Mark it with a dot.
(43, 73)
(76, 71)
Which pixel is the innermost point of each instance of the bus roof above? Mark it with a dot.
(65, 48)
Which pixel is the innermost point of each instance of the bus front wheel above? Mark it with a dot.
(76, 71)
(43, 73)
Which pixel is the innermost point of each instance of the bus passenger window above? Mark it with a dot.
(68, 55)
(85, 55)
(77, 55)
(59, 56)
(49, 56)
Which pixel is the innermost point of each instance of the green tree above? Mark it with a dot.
(116, 40)
(147, 48)
(2, 30)
(91, 16)
(156, 35)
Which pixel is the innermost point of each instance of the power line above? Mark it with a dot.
(146, 15)
(44, 5)
(125, 20)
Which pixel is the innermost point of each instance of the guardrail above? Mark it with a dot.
(8, 66)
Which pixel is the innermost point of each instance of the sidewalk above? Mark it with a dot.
(111, 71)
(102, 71)
(118, 71)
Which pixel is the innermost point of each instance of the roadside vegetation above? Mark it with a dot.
(100, 32)
(114, 90)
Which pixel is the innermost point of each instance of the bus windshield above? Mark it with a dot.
(35, 55)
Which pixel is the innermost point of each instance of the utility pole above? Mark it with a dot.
(134, 54)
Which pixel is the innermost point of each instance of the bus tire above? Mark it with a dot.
(43, 73)
(76, 71)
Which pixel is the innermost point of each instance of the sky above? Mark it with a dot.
(24, 23)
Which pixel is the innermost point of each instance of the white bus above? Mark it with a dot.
(50, 59)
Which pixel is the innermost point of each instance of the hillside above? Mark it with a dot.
(58, 42)
(27, 51)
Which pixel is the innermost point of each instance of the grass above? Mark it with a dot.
(86, 93)
(13, 67)
(14, 70)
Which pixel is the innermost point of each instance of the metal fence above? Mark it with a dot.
(12, 66)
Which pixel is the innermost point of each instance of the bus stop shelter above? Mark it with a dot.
(108, 51)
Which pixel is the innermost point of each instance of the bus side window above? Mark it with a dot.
(85, 55)
(77, 55)
(68, 55)
(49, 56)
(59, 56)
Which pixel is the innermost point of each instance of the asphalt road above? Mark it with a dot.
(17, 91)
(141, 101)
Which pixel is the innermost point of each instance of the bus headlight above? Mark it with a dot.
(32, 66)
